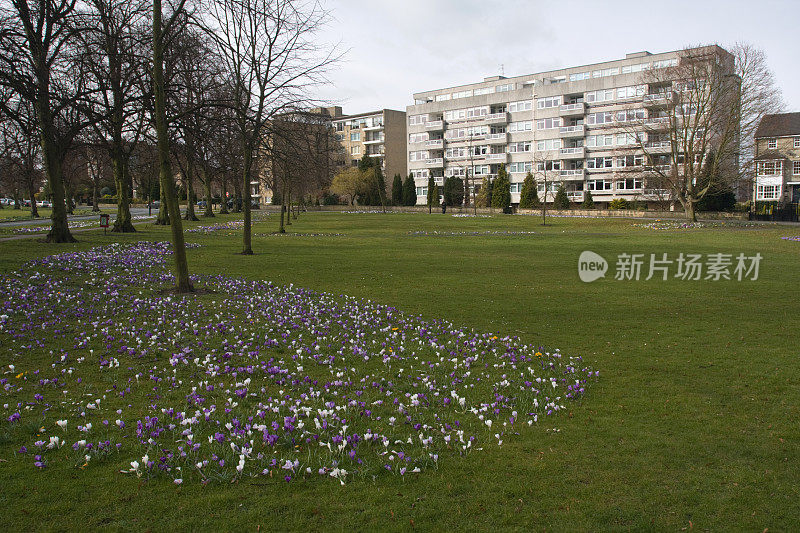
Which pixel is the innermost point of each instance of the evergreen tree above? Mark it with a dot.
(720, 195)
(561, 201)
(529, 197)
(501, 189)
(432, 189)
(397, 190)
(409, 191)
(365, 163)
(588, 201)
(484, 198)
(454, 191)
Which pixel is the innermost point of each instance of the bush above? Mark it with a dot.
(561, 201)
(528, 197)
(330, 199)
(618, 203)
(501, 189)
(409, 191)
(588, 201)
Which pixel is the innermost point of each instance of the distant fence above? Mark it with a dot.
(788, 213)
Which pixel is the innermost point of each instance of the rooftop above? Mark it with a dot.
(779, 125)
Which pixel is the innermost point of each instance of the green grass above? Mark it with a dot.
(693, 420)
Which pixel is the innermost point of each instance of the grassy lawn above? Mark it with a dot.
(8, 214)
(692, 423)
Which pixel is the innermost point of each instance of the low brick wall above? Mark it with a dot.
(599, 213)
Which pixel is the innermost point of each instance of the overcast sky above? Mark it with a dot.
(395, 48)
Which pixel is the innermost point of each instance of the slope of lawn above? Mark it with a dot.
(691, 423)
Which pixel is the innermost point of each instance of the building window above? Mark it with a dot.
(524, 105)
(548, 144)
(797, 142)
(630, 184)
(768, 192)
(422, 191)
(772, 144)
(521, 126)
(355, 136)
(796, 168)
(548, 123)
(523, 146)
(769, 168)
(355, 150)
(599, 185)
(544, 103)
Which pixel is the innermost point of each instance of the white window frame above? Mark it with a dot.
(772, 144)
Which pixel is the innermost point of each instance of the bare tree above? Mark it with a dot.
(114, 51)
(22, 149)
(37, 61)
(160, 29)
(271, 60)
(701, 113)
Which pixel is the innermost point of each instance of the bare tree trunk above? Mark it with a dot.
(190, 215)
(209, 212)
(123, 223)
(247, 248)
(95, 197)
(69, 199)
(16, 199)
(288, 201)
(282, 228)
(182, 281)
(59, 229)
(163, 214)
(223, 208)
(34, 207)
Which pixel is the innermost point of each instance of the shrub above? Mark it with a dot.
(528, 197)
(397, 190)
(409, 191)
(588, 201)
(501, 189)
(561, 201)
(618, 203)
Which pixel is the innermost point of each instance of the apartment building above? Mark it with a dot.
(379, 134)
(601, 128)
(777, 159)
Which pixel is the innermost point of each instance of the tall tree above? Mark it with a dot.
(409, 191)
(38, 63)
(166, 177)
(700, 110)
(501, 189)
(528, 197)
(271, 61)
(397, 190)
(114, 50)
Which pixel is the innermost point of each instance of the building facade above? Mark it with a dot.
(379, 134)
(777, 159)
(591, 128)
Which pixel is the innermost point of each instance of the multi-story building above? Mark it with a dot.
(591, 128)
(379, 134)
(777, 159)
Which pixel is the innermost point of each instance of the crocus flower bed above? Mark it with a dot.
(290, 234)
(101, 370)
(795, 238)
(221, 226)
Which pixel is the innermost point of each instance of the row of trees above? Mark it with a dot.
(199, 85)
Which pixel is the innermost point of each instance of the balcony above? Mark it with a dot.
(497, 138)
(434, 162)
(496, 118)
(657, 120)
(434, 125)
(374, 141)
(465, 139)
(457, 157)
(572, 131)
(575, 196)
(373, 128)
(436, 143)
(572, 174)
(659, 146)
(566, 110)
(502, 157)
(657, 98)
(379, 154)
(576, 152)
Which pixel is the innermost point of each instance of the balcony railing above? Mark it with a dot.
(436, 143)
(373, 127)
(434, 125)
(434, 162)
(659, 145)
(657, 120)
(572, 109)
(571, 131)
(575, 196)
(656, 97)
(497, 157)
(497, 137)
(374, 141)
(496, 117)
(572, 152)
(572, 173)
